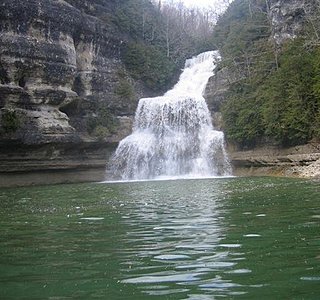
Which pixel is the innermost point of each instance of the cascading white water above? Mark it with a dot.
(173, 134)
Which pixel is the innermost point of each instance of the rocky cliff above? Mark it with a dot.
(66, 97)
(287, 18)
(58, 57)
(60, 67)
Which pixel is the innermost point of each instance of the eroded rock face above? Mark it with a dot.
(58, 60)
(299, 161)
(59, 64)
(287, 18)
(38, 63)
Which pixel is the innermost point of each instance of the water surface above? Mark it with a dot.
(236, 238)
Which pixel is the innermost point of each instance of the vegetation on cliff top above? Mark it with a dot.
(274, 93)
(157, 39)
(160, 38)
(274, 96)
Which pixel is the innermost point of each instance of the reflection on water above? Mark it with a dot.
(184, 239)
(175, 239)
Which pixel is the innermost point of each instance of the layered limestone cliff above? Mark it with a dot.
(60, 64)
(57, 57)
(299, 161)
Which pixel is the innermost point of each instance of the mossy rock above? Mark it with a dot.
(10, 121)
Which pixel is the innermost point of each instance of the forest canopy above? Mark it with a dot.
(161, 37)
(276, 96)
(274, 90)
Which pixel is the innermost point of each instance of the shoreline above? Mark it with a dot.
(299, 161)
(87, 162)
(99, 174)
(48, 177)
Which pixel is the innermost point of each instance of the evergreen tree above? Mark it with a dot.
(276, 91)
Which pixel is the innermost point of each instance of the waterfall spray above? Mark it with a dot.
(173, 134)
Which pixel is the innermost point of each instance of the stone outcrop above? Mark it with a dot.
(57, 56)
(60, 63)
(216, 88)
(287, 18)
(299, 161)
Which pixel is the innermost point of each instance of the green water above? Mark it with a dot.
(236, 238)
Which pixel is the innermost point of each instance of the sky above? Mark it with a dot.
(217, 4)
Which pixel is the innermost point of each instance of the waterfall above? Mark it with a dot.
(173, 134)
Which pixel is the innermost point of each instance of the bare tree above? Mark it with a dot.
(312, 15)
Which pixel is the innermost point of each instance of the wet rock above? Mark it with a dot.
(299, 161)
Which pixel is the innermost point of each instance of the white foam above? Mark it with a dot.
(173, 136)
